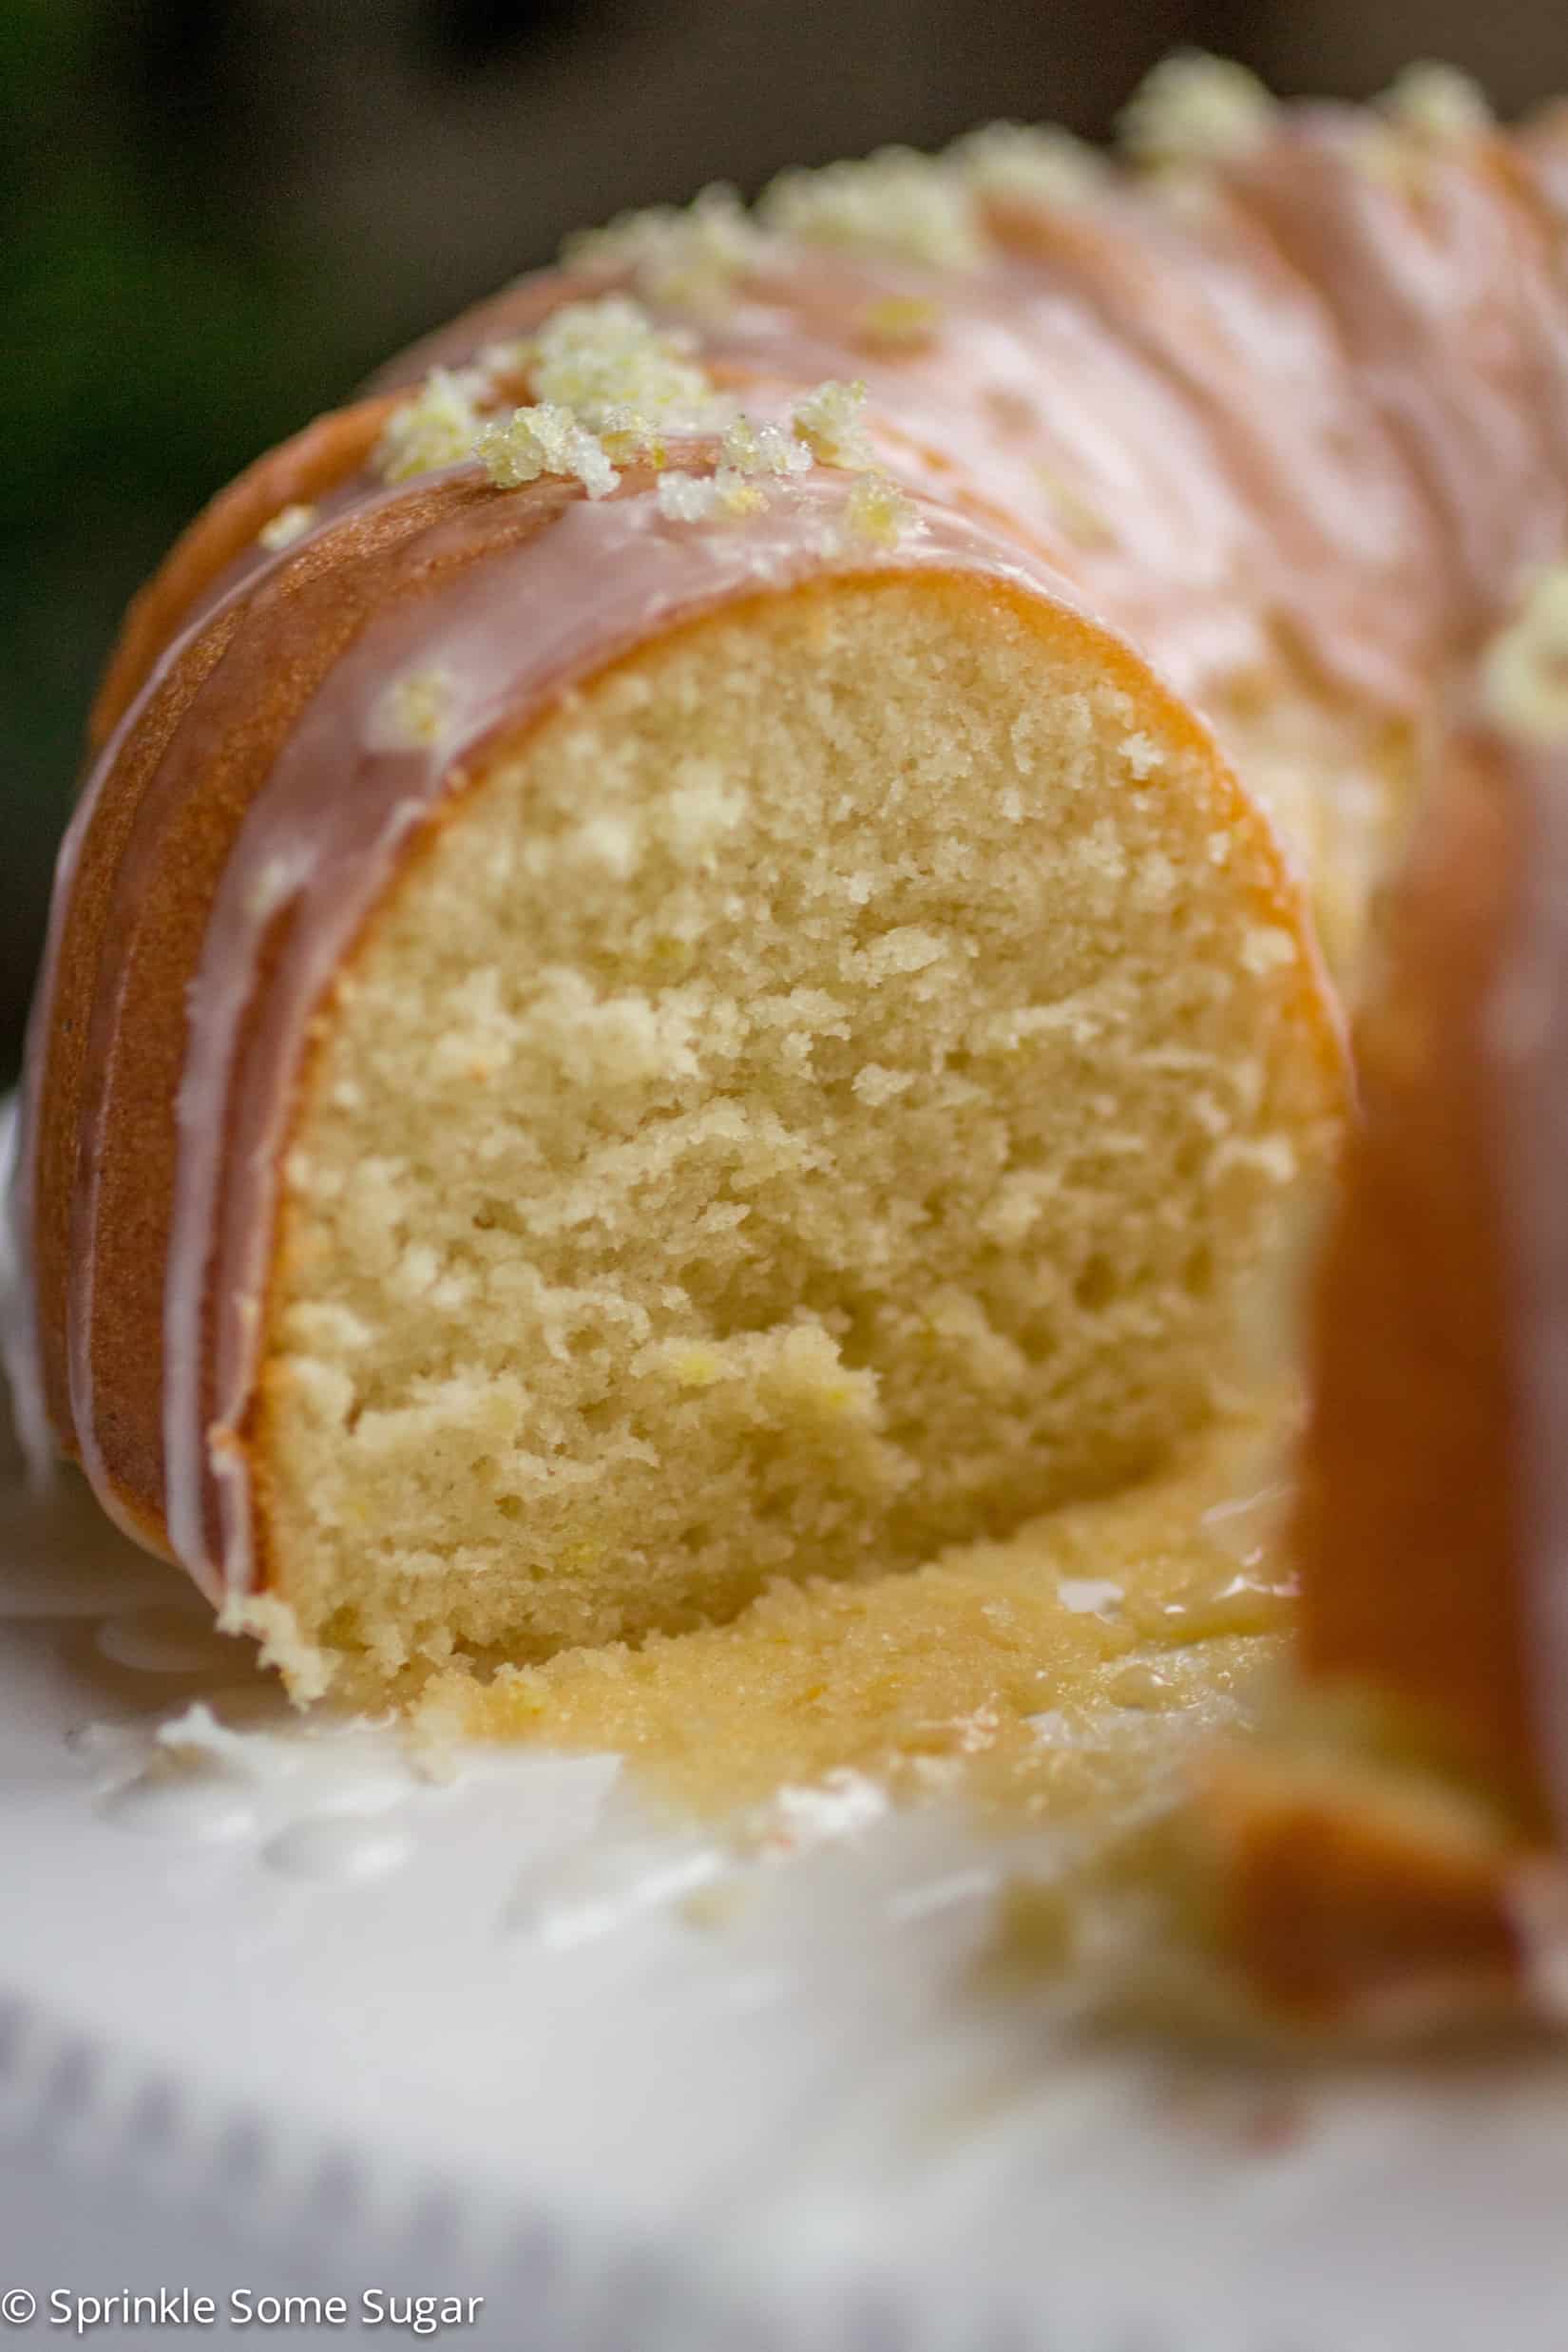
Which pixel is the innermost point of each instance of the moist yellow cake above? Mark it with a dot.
(691, 953)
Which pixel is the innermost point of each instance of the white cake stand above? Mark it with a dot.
(278, 2014)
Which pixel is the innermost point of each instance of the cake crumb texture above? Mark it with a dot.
(817, 1105)
(1050, 1676)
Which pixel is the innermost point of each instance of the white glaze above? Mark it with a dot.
(239, 581)
(317, 1797)
(1188, 390)
(336, 1849)
(196, 1807)
(1443, 296)
(841, 1805)
(622, 1875)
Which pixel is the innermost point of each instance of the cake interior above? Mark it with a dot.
(1063, 1674)
(813, 1101)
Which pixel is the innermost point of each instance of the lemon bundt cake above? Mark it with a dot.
(1387, 1852)
(677, 1052)
(663, 977)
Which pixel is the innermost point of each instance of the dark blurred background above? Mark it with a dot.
(219, 214)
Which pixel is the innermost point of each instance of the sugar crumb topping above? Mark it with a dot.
(757, 460)
(700, 498)
(897, 205)
(609, 386)
(1194, 109)
(751, 449)
(685, 497)
(830, 421)
(629, 435)
(287, 525)
(544, 439)
(678, 257)
(878, 512)
(619, 389)
(1525, 671)
(606, 357)
(1029, 163)
(438, 426)
(733, 494)
(900, 321)
(1438, 101)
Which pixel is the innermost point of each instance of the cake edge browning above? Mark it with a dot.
(1413, 1452)
(1392, 1847)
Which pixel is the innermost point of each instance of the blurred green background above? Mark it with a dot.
(219, 214)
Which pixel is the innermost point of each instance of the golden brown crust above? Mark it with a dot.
(1386, 1858)
(297, 473)
(1346, 1903)
(83, 923)
(1407, 1529)
(136, 919)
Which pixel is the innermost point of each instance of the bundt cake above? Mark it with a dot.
(682, 1050)
(663, 976)
(1385, 1849)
